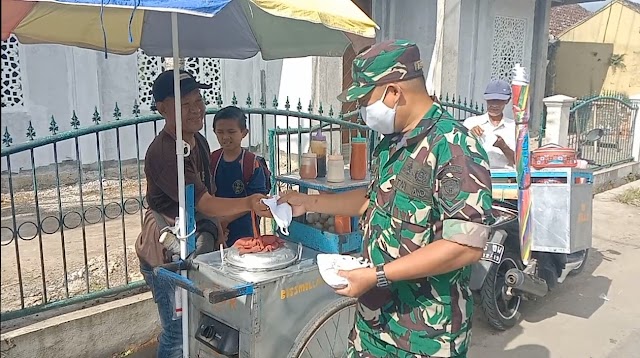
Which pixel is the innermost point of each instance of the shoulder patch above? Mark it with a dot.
(450, 188)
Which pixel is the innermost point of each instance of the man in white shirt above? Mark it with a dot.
(497, 133)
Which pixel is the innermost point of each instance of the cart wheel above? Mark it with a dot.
(326, 335)
(500, 309)
(580, 255)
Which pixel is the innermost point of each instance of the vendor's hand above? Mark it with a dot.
(477, 131)
(222, 241)
(223, 235)
(360, 281)
(500, 143)
(258, 207)
(297, 201)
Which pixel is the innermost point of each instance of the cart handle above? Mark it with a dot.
(215, 293)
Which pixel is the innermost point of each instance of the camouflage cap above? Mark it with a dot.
(385, 62)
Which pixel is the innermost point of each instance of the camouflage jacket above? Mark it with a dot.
(429, 184)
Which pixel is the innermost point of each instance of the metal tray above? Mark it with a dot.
(264, 261)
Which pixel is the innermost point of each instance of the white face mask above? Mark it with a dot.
(379, 117)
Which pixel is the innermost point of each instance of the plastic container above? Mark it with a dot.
(319, 147)
(335, 169)
(553, 156)
(358, 162)
(309, 166)
(342, 224)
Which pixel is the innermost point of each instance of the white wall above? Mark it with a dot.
(56, 80)
(413, 20)
(464, 62)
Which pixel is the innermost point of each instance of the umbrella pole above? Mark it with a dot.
(181, 185)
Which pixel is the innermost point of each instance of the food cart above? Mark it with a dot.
(273, 304)
(561, 212)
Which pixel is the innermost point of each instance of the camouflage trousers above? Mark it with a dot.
(363, 345)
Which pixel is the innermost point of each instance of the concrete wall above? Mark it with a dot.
(100, 331)
(413, 20)
(464, 63)
(581, 67)
(618, 25)
(56, 80)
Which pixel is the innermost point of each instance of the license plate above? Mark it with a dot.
(493, 252)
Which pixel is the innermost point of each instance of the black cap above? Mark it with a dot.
(163, 85)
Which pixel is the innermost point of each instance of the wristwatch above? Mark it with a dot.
(381, 278)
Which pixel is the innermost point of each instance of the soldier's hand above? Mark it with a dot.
(360, 281)
(296, 200)
(258, 207)
(477, 131)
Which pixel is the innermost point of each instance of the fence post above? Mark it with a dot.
(635, 148)
(557, 124)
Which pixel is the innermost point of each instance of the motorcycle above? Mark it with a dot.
(501, 281)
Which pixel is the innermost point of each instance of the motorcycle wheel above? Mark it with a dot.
(501, 310)
(584, 254)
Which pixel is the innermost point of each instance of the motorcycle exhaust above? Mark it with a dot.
(526, 283)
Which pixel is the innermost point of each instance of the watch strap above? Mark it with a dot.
(381, 277)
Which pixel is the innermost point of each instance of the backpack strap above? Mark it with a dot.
(248, 165)
(214, 162)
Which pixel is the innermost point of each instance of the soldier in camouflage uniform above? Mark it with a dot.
(425, 214)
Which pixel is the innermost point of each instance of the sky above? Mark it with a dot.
(593, 6)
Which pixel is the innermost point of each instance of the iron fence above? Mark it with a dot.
(613, 115)
(69, 223)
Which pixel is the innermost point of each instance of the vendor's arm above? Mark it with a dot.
(463, 194)
(216, 207)
(506, 149)
(206, 204)
(350, 203)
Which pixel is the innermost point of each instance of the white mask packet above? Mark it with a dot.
(282, 213)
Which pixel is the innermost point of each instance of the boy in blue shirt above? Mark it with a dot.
(236, 171)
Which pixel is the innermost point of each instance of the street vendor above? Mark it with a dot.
(496, 132)
(161, 171)
(425, 214)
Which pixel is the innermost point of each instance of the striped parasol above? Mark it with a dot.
(235, 29)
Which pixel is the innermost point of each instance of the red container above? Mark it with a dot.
(553, 156)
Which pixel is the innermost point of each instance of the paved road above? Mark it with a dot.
(594, 315)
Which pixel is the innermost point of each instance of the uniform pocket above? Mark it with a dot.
(411, 222)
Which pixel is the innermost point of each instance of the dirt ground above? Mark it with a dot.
(592, 315)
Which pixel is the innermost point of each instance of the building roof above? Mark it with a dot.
(633, 5)
(564, 19)
(565, 16)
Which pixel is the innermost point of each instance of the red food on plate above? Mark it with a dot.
(264, 243)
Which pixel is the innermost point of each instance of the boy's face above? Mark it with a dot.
(229, 133)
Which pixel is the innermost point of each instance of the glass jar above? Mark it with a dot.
(335, 169)
(319, 147)
(358, 162)
(309, 166)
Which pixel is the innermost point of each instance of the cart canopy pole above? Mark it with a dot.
(180, 148)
